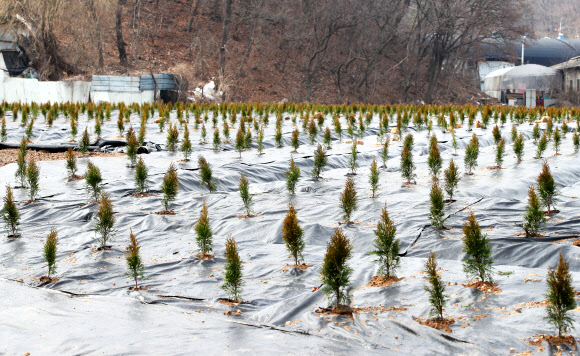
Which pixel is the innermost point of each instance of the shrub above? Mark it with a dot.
(536, 133)
(499, 151)
(104, 221)
(32, 177)
(471, 154)
(437, 213)
(50, 247)
(73, 128)
(233, 279)
(93, 180)
(352, 162)
(348, 199)
(186, 147)
(21, 162)
(244, 188)
(385, 151)
(141, 174)
(542, 145)
(142, 134)
(260, 140)
(557, 140)
(547, 186)
(478, 262)
(132, 146)
(519, 147)
(135, 267)
(320, 161)
(71, 163)
(560, 296)
(240, 143)
(203, 135)
(452, 179)
(206, 174)
(436, 287)
(407, 165)
(454, 142)
(226, 132)
(434, 161)
(278, 137)
(514, 133)
(576, 141)
(85, 141)
(11, 216)
(386, 245)
(534, 218)
(169, 186)
(248, 139)
(327, 139)
(496, 134)
(97, 127)
(203, 232)
(338, 129)
(295, 141)
(374, 177)
(312, 131)
(292, 176)
(172, 137)
(409, 142)
(3, 133)
(292, 234)
(335, 270)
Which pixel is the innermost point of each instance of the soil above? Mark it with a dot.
(485, 287)
(230, 302)
(381, 281)
(142, 195)
(231, 312)
(443, 324)
(553, 340)
(104, 248)
(577, 242)
(139, 288)
(10, 155)
(301, 267)
(550, 212)
(165, 212)
(204, 256)
(47, 280)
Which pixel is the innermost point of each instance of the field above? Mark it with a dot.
(89, 306)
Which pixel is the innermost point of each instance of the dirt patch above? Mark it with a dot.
(102, 248)
(75, 178)
(378, 310)
(165, 212)
(485, 287)
(48, 280)
(230, 302)
(342, 309)
(142, 195)
(231, 312)
(449, 201)
(14, 236)
(246, 216)
(494, 167)
(382, 281)
(139, 288)
(301, 267)
(550, 212)
(552, 340)
(10, 155)
(204, 256)
(439, 324)
(576, 242)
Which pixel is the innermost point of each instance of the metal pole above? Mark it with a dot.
(523, 49)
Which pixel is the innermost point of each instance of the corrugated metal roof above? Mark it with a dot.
(164, 82)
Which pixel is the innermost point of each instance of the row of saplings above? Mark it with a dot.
(335, 270)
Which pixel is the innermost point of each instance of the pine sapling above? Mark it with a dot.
(204, 233)
(169, 187)
(335, 269)
(576, 141)
(386, 246)
(542, 145)
(135, 266)
(478, 262)
(499, 151)
(186, 146)
(452, 179)
(260, 141)
(292, 177)
(172, 137)
(353, 160)
(519, 147)
(85, 141)
(206, 174)
(21, 169)
(348, 200)
(141, 174)
(233, 278)
(557, 140)
(547, 187)
(320, 161)
(435, 288)
(295, 141)
(471, 154)
(292, 234)
(32, 178)
(244, 188)
(514, 132)
(240, 143)
(434, 161)
(560, 296)
(385, 151)
(536, 133)
(278, 137)
(437, 213)
(496, 134)
(11, 216)
(534, 219)
(327, 139)
(50, 247)
(407, 165)
(93, 180)
(3, 132)
(203, 135)
(132, 146)
(105, 221)
(374, 177)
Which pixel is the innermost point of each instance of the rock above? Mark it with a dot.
(478, 125)
(394, 131)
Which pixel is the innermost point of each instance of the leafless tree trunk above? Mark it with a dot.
(194, 10)
(119, 32)
(222, 50)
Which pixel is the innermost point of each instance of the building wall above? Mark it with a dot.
(484, 68)
(572, 79)
(146, 96)
(26, 90)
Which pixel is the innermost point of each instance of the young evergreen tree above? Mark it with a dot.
(260, 140)
(132, 146)
(327, 140)
(471, 154)
(312, 131)
(320, 161)
(169, 186)
(71, 163)
(203, 232)
(386, 245)
(172, 137)
(576, 141)
(557, 140)
(203, 135)
(21, 169)
(32, 178)
(353, 160)
(135, 266)
(514, 132)
(335, 270)
(292, 234)
(496, 134)
(226, 131)
(407, 165)
(534, 219)
(142, 134)
(436, 288)
(560, 296)
(499, 151)
(278, 136)
(547, 187)
(11, 216)
(120, 123)
(478, 262)
(186, 146)
(85, 141)
(452, 179)
(206, 174)
(434, 161)
(437, 213)
(348, 200)
(240, 144)
(542, 145)
(374, 177)
(292, 176)
(233, 278)
(536, 133)
(50, 247)
(385, 151)
(519, 147)
(3, 132)
(93, 180)
(141, 174)
(244, 188)
(104, 221)
(295, 141)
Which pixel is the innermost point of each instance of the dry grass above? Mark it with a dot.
(10, 155)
